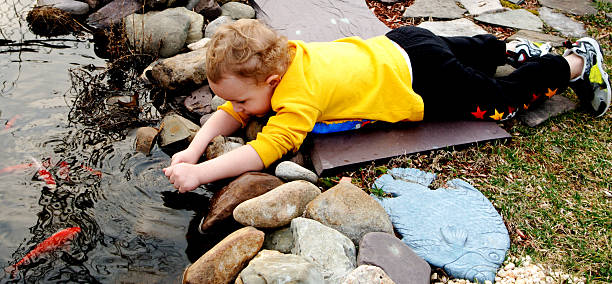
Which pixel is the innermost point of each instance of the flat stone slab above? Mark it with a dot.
(335, 150)
(113, 12)
(518, 19)
(549, 108)
(554, 40)
(562, 23)
(478, 7)
(459, 27)
(319, 20)
(576, 7)
(440, 9)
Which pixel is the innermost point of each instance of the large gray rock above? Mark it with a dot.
(459, 27)
(69, 6)
(277, 207)
(289, 171)
(394, 257)
(441, 9)
(274, 267)
(165, 32)
(183, 71)
(175, 128)
(245, 187)
(576, 7)
(349, 210)
(212, 27)
(279, 240)
(221, 145)
(554, 106)
(554, 40)
(332, 252)
(564, 24)
(237, 10)
(518, 19)
(199, 101)
(478, 7)
(112, 13)
(224, 261)
(367, 274)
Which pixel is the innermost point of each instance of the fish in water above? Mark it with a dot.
(54, 242)
(44, 174)
(455, 228)
(12, 121)
(11, 169)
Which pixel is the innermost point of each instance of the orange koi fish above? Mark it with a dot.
(11, 169)
(52, 243)
(12, 121)
(93, 172)
(44, 174)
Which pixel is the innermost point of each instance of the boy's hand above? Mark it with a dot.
(183, 176)
(186, 156)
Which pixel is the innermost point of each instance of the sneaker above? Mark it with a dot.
(592, 86)
(519, 50)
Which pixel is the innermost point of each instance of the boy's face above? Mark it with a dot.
(245, 94)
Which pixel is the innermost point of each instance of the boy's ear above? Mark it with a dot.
(273, 80)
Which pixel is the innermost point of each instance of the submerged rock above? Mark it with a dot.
(274, 267)
(145, 137)
(175, 128)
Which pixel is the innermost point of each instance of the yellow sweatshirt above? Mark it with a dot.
(349, 78)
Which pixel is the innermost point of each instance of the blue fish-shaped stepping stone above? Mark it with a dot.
(455, 228)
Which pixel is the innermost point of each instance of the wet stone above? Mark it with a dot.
(366, 274)
(554, 40)
(279, 240)
(274, 267)
(547, 109)
(518, 19)
(576, 7)
(478, 7)
(212, 27)
(199, 101)
(459, 27)
(237, 10)
(175, 128)
(184, 71)
(394, 257)
(210, 9)
(565, 25)
(70, 6)
(290, 171)
(145, 136)
(221, 145)
(440, 9)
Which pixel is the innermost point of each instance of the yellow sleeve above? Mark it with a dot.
(238, 116)
(284, 131)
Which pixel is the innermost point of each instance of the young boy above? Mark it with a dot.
(409, 74)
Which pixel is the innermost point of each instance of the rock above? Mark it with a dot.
(552, 107)
(145, 136)
(183, 71)
(237, 11)
(112, 13)
(245, 187)
(209, 8)
(440, 9)
(367, 274)
(198, 44)
(504, 70)
(576, 7)
(199, 101)
(332, 252)
(70, 6)
(216, 102)
(221, 145)
(274, 267)
(205, 118)
(459, 27)
(289, 171)
(211, 28)
(163, 33)
(517, 2)
(518, 19)
(394, 257)
(555, 41)
(225, 260)
(299, 158)
(253, 127)
(478, 7)
(455, 227)
(349, 210)
(279, 240)
(277, 207)
(565, 25)
(176, 128)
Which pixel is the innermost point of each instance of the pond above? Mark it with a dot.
(134, 226)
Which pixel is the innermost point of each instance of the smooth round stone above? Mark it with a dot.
(290, 171)
(237, 10)
(212, 27)
(70, 6)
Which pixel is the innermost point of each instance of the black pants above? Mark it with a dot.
(454, 75)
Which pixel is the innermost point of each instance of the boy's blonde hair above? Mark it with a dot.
(246, 48)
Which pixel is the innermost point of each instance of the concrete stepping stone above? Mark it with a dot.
(554, 40)
(576, 7)
(549, 108)
(518, 19)
(440, 9)
(274, 267)
(562, 23)
(478, 7)
(459, 27)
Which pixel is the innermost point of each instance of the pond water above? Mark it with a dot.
(134, 227)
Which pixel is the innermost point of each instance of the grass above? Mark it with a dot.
(551, 183)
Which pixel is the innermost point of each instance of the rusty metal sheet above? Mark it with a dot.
(333, 151)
